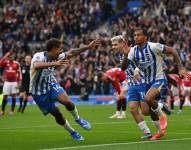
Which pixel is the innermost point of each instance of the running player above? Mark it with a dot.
(136, 90)
(12, 78)
(148, 57)
(119, 81)
(24, 90)
(46, 90)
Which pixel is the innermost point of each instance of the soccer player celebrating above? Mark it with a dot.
(118, 79)
(148, 56)
(46, 90)
(25, 70)
(12, 78)
(136, 90)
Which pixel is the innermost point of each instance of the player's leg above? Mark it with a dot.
(21, 101)
(58, 93)
(14, 93)
(134, 109)
(25, 101)
(47, 105)
(118, 109)
(13, 104)
(6, 93)
(181, 104)
(124, 103)
(70, 106)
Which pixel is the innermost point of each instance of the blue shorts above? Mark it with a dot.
(136, 93)
(160, 85)
(46, 102)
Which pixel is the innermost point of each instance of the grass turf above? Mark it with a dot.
(32, 130)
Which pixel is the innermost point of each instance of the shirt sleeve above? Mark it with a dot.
(157, 48)
(38, 57)
(131, 54)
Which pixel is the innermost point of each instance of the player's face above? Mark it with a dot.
(58, 51)
(139, 37)
(28, 59)
(117, 45)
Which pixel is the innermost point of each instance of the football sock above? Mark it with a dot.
(119, 105)
(143, 126)
(123, 103)
(157, 125)
(75, 113)
(172, 103)
(13, 104)
(21, 104)
(24, 106)
(68, 127)
(4, 103)
(181, 104)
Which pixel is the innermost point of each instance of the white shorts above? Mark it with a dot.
(124, 85)
(10, 88)
(186, 91)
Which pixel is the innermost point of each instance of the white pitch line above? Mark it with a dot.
(115, 144)
(96, 123)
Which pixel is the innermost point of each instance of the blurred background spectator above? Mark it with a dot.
(26, 25)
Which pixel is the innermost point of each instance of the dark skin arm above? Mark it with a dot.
(172, 51)
(77, 51)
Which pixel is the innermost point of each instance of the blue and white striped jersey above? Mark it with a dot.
(41, 79)
(149, 60)
(130, 73)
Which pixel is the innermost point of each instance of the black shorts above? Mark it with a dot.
(25, 88)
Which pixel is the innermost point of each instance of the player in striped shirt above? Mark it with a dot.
(136, 91)
(46, 90)
(149, 56)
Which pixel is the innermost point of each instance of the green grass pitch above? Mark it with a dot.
(32, 130)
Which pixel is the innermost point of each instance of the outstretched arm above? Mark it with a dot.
(172, 51)
(77, 51)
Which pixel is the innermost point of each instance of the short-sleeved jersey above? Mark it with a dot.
(149, 60)
(41, 79)
(117, 76)
(130, 73)
(11, 70)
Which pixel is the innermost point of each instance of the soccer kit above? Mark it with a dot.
(43, 85)
(25, 70)
(119, 79)
(12, 76)
(149, 60)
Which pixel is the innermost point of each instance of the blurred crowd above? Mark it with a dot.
(26, 25)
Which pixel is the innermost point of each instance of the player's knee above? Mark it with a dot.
(134, 110)
(58, 117)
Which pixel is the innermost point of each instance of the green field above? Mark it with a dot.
(34, 131)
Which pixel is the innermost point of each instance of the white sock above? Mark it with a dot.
(143, 126)
(123, 113)
(75, 113)
(118, 112)
(160, 105)
(158, 111)
(68, 127)
(157, 125)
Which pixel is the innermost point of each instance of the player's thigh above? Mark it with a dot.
(152, 94)
(123, 93)
(6, 88)
(14, 88)
(145, 108)
(133, 105)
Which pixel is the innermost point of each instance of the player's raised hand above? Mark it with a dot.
(93, 44)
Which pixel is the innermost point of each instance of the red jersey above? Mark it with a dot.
(11, 71)
(186, 81)
(116, 75)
